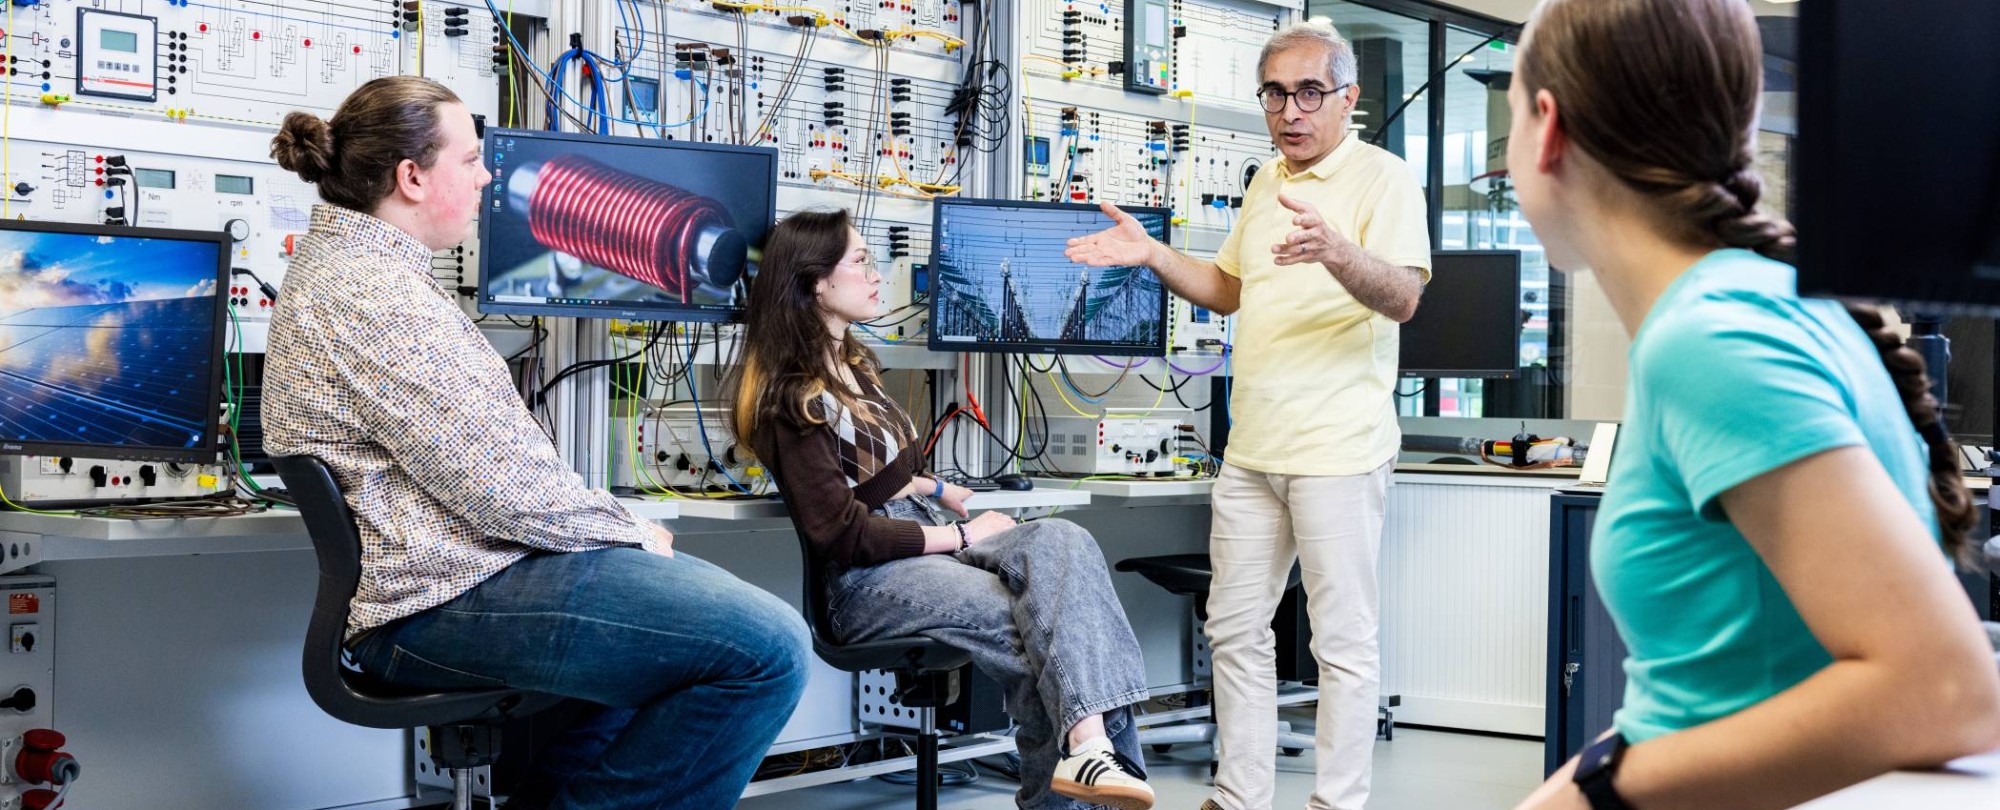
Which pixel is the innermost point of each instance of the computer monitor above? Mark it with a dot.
(1000, 283)
(1468, 323)
(111, 341)
(591, 226)
(1897, 172)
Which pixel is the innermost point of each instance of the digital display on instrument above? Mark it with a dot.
(112, 39)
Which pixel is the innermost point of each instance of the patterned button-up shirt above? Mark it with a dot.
(374, 369)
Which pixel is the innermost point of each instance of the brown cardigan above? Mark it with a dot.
(836, 519)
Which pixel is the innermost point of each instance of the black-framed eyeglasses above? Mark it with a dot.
(1308, 99)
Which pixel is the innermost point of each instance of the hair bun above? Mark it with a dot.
(304, 146)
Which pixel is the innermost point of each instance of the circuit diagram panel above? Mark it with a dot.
(244, 62)
(1214, 56)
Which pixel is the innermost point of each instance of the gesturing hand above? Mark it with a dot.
(1124, 244)
(1314, 242)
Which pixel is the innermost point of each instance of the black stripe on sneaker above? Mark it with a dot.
(1090, 771)
(1130, 766)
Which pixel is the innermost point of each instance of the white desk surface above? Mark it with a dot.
(1134, 492)
(70, 537)
(117, 530)
(275, 521)
(765, 509)
(1972, 783)
(1177, 491)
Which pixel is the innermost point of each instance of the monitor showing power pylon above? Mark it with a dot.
(1000, 283)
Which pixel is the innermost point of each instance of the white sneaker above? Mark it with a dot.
(1097, 774)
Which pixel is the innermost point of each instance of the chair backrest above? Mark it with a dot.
(337, 544)
(812, 599)
(915, 654)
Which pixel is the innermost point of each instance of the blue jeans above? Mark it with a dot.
(699, 670)
(1035, 607)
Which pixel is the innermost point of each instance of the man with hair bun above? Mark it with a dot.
(485, 560)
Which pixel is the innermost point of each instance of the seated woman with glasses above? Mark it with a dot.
(1031, 602)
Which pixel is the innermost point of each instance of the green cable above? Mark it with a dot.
(232, 389)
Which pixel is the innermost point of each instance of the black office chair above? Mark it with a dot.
(922, 668)
(464, 726)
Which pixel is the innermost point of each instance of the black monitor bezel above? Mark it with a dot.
(209, 451)
(1845, 248)
(936, 344)
(1472, 374)
(676, 313)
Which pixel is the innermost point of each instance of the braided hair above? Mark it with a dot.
(1665, 94)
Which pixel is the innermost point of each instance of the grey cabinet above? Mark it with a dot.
(1586, 678)
(1586, 675)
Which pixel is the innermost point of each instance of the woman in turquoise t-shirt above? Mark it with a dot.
(1770, 544)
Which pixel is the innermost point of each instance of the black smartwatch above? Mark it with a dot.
(1594, 770)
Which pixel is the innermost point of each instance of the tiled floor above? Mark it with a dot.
(1420, 770)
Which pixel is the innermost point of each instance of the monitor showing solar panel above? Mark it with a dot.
(111, 341)
(592, 226)
(1000, 282)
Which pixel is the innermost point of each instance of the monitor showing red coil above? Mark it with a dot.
(659, 234)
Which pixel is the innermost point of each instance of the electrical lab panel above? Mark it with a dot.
(855, 15)
(665, 448)
(822, 100)
(263, 207)
(1196, 329)
(1220, 65)
(857, 126)
(1096, 155)
(257, 201)
(1086, 42)
(243, 64)
(1125, 441)
(27, 667)
(32, 480)
(863, 128)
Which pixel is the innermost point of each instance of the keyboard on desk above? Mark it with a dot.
(1010, 481)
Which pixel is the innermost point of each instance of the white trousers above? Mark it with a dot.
(1332, 525)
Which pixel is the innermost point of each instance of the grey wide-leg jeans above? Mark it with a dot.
(1035, 607)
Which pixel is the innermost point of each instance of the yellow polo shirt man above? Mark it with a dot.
(1315, 369)
(1330, 254)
